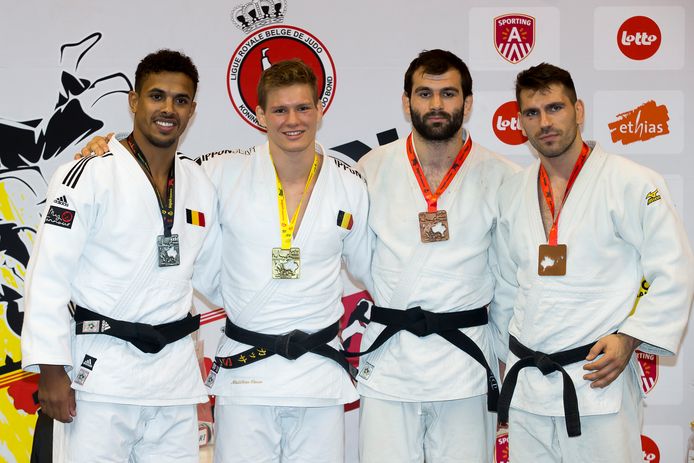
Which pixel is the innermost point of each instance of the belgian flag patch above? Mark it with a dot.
(345, 220)
(195, 217)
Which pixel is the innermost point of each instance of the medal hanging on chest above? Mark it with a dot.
(552, 257)
(286, 260)
(433, 224)
(168, 246)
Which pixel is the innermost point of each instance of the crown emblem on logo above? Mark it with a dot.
(258, 13)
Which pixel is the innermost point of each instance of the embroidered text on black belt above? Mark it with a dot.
(290, 346)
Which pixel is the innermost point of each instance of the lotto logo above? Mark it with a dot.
(639, 38)
(506, 125)
(651, 453)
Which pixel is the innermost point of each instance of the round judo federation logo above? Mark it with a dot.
(267, 46)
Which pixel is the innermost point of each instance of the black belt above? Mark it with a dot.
(546, 364)
(290, 346)
(447, 325)
(148, 338)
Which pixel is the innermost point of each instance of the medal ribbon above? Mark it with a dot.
(287, 226)
(432, 198)
(546, 186)
(166, 207)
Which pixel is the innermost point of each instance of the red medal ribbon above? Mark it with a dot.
(547, 190)
(432, 198)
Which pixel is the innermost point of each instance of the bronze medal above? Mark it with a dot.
(551, 260)
(286, 264)
(433, 226)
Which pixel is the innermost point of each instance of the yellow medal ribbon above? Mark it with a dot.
(287, 226)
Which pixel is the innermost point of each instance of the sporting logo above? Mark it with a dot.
(266, 46)
(501, 449)
(647, 121)
(506, 124)
(648, 370)
(639, 38)
(514, 36)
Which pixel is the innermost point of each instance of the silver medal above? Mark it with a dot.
(169, 252)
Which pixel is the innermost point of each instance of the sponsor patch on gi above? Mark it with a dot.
(652, 197)
(88, 362)
(366, 370)
(81, 376)
(60, 216)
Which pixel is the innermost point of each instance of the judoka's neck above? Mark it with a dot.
(560, 167)
(159, 160)
(292, 167)
(437, 155)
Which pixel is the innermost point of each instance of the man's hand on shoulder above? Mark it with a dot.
(56, 397)
(97, 145)
(616, 350)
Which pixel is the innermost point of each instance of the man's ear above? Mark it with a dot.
(260, 114)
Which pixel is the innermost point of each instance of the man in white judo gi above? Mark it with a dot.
(427, 382)
(579, 229)
(125, 237)
(290, 216)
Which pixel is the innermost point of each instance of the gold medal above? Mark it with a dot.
(433, 226)
(286, 263)
(551, 260)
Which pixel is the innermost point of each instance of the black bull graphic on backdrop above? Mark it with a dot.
(30, 152)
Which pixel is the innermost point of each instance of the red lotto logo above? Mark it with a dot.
(639, 38)
(506, 125)
(651, 453)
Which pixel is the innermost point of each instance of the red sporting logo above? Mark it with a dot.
(639, 38)
(648, 369)
(501, 451)
(506, 125)
(514, 36)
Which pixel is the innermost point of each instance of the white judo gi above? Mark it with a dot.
(447, 276)
(619, 226)
(246, 185)
(97, 247)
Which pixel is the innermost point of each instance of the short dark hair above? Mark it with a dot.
(543, 75)
(437, 62)
(165, 61)
(284, 74)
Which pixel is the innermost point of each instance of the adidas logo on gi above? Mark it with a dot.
(61, 201)
(88, 362)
